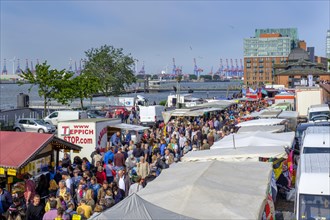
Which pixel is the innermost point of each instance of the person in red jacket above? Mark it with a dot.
(100, 175)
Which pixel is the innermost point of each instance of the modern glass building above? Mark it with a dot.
(292, 33)
(266, 48)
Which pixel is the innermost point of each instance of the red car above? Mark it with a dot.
(121, 110)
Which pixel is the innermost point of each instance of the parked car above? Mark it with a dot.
(33, 125)
(58, 116)
(96, 114)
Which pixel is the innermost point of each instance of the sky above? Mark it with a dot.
(152, 32)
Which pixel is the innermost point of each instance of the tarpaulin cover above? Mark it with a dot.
(212, 189)
(238, 154)
(270, 121)
(134, 207)
(264, 128)
(254, 139)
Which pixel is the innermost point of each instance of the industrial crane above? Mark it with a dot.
(18, 69)
(197, 70)
(142, 71)
(4, 70)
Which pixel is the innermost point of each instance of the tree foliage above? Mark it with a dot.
(113, 68)
(84, 86)
(192, 77)
(50, 82)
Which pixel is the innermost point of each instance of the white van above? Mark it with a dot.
(312, 186)
(58, 116)
(150, 115)
(318, 113)
(316, 139)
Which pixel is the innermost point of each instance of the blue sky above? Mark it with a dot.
(151, 31)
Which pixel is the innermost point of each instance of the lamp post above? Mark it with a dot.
(178, 80)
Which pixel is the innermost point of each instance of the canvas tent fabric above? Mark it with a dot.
(270, 121)
(130, 127)
(198, 110)
(264, 128)
(212, 189)
(254, 139)
(134, 207)
(238, 154)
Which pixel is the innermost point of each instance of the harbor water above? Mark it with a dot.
(9, 92)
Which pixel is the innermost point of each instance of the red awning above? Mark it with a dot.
(19, 148)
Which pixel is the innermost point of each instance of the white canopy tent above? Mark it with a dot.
(212, 189)
(238, 154)
(134, 207)
(260, 122)
(130, 127)
(198, 110)
(258, 138)
(264, 128)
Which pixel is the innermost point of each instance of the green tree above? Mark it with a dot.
(192, 77)
(206, 77)
(84, 86)
(50, 82)
(113, 68)
(216, 77)
(154, 77)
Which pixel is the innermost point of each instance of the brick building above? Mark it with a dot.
(296, 71)
(266, 48)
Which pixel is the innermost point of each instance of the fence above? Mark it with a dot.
(8, 117)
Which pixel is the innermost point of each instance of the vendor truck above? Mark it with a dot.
(89, 133)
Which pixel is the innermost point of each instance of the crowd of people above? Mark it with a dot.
(81, 187)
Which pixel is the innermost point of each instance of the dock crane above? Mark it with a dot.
(142, 71)
(32, 68)
(26, 65)
(4, 70)
(236, 68)
(176, 70)
(18, 69)
(227, 70)
(232, 68)
(197, 70)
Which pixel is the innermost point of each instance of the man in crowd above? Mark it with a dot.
(35, 210)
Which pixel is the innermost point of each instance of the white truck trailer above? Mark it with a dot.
(312, 186)
(307, 96)
(150, 115)
(88, 133)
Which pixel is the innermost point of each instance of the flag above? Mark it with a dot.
(244, 91)
(252, 91)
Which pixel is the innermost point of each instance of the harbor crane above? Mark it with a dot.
(142, 71)
(18, 69)
(176, 70)
(197, 71)
(4, 70)
(32, 67)
(26, 65)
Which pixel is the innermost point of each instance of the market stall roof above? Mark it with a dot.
(19, 148)
(264, 121)
(288, 114)
(212, 189)
(238, 154)
(129, 127)
(199, 110)
(264, 128)
(134, 207)
(254, 139)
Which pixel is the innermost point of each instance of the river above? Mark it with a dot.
(9, 92)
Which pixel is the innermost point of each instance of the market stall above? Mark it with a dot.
(212, 189)
(28, 152)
